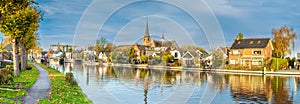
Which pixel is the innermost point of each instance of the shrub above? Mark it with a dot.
(70, 78)
(281, 63)
(6, 75)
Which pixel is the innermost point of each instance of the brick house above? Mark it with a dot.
(250, 52)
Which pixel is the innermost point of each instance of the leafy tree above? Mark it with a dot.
(144, 59)
(100, 45)
(131, 54)
(240, 36)
(192, 47)
(119, 55)
(108, 47)
(283, 38)
(279, 63)
(16, 22)
(218, 59)
(29, 39)
(167, 57)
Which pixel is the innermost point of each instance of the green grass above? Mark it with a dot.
(10, 93)
(62, 91)
(4, 100)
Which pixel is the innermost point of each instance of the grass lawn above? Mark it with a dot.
(12, 93)
(62, 91)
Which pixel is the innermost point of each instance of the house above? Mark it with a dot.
(188, 59)
(250, 52)
(225, 51)
(297, 56)
(192, 57)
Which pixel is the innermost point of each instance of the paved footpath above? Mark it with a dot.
(40, 89)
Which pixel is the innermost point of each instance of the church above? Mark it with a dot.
(154, 47)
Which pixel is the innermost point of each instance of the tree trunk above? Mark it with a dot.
(15, 57)
(22, 56)
(26, 58)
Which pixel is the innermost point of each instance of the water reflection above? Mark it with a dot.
(134, 85)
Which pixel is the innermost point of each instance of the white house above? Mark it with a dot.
(187, 59)
(176, 54)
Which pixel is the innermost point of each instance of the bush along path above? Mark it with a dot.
(13, 89)
(64, 89)
(40, 89)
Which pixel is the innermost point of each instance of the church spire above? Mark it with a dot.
(147, 29)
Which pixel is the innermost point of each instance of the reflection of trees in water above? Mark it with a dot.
(297, 82)
(246, 88)
(259, 89)
(150, 77)
(280, 90)
(217, 81)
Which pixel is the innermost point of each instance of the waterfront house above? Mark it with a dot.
(250, 52)
(188, 58)
(193, 57)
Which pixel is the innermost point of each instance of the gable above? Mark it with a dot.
(187, 55)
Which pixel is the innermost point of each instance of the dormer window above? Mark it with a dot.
(251, 42)
(257, 52)
(258, 42)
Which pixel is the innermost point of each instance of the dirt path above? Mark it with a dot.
(40, 89)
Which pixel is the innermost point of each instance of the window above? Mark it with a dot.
(258, 42)
(257, 52)
(233, 61)
(256, 62)
(176, 55)
(251, 42)
(236, 52)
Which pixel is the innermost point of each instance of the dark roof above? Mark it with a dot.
(250, 43)
(142, 47)
(172, 44)
(8, 47)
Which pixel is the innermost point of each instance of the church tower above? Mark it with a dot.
(162, 39)
(147, 38)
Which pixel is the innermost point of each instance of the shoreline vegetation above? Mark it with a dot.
(14, 91)
(62, 91)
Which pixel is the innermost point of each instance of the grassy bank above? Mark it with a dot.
(12, 93)
(63, 91)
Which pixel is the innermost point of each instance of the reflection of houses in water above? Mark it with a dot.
(218, 81)
(69, 67)
(246, 88)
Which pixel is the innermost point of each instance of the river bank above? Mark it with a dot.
(280, 72)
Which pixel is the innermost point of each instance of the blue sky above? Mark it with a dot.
(203, 23)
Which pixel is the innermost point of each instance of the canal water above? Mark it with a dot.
(121, 85)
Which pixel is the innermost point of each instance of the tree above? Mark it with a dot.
(131, 54)
(15, 22)
(29, 39)
(144, 59)
(240, 36)
(167, 57)
(218, 59)
(192, 47)
(284, 37)
(100, 45)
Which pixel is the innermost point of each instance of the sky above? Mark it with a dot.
(204, 23)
